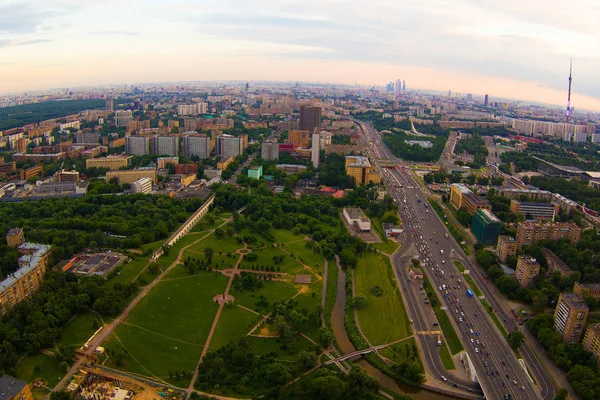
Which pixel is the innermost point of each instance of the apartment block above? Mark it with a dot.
(591, 341)
(67, 176)
(343, 149)
(300, 138)
(197, 145)
(361, 170)
(530, 232)
(166, 146)
(486, 227)
(539, 195)
(142, 185)
(507, 247)
(269, 151)
(462, 197)
(123, 117)
(30, 172)
(224, 163)
(192, 109)
(527, 269)
(538, 211)
(229, 146)
(14, 389)
(111, 162)
(570, 317)
(556, 264)
(587, 289)
(131, 175)
(137, 145)
(310, 118)
(15, 237)
(186, 169)
(162, 162)
(87, 138)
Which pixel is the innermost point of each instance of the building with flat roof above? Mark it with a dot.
(361, 170)
(486, 227)
(269, 151)
(15, 237)
(527, 269)
(291, 168)
(538, 195)
(315, 151)
(111, 162)
(299, 138)
(310, 118)
(87, 138)
(224, 163)
(166, 146)
(462, 197)
(587, 289)
(14, 389)
(255, 172)
(565, 204)
(555, 264)
(229, 146)
(142, 185)
(539, 211)
(355, 217)
(530, 232)
(137, 145)
(507, 247)
(197, 145)
(123, 117)
(570, 317)
(31, 172)
(131, 175)
(591, 341)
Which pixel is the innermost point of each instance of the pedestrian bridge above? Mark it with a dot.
(355, 353)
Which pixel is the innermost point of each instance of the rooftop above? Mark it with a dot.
(535, 204)
(354, 212)
(487, 215)
(462, 188)
(358, 161)
(14, 231)
(574, 300)
(10, 386)
(27, 263)
(591, 286)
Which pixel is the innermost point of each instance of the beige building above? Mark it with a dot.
(530, 232)
(591, 341)
(131, 175)
(507, 247)
(161, 162)
(14, 389)
(570, 317)
(110, 162)
(587, 289)
(556, 264)
(462, 197)
(299, 138)
(527, 269)
(361, 170)
(15, 237)
(223, 164)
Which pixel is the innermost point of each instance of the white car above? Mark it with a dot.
(471, 331)
(476, 350)
(472, 341)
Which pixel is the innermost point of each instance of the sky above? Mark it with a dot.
(508, 49)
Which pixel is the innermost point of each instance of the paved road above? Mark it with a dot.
(498, 370)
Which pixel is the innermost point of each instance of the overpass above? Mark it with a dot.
(355, 353)
(551, 169)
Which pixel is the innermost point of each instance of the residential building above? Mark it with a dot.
(162, 162)
(7, 167)
(570, 317)
(594, 184)
(486, 227)
(186, 169)
(137, 145)
(111, 162)
(315, 152)
(361, 170)
(67, 176)
(197, 145)
(87, 138)
(108, 104)
(565, 204)
(123, 117)
(291, 168)
(14, 389)
(15, 237)
(229, 146)
(462, 197)
(255, 172)
(539, 211)
(192, 109)
(343, 149)
(356, 218)
(142, 185)
(131, 175)
(538, 195)
(591, 341)
(587, 289)
(310, 118)
(269, 151)
(224, 163)
(31, 172)
(556, 264)
(527, 269)
(300, 138)
(530, 232)
(166, 145)
(507, 247)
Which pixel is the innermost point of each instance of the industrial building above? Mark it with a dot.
(527, 269)
(486, 227)
(356, 218)
(570, 317)
(538, 211)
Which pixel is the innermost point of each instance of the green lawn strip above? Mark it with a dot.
(286, 351)
(151, 246)
(40, 366)
(285, 236)
(306, 256)
(449, 225)
(443, 319)
(234, 323)
(310, 302)
(130, 270)
(224, 245)
(386, 245)
(151, 355)
(446, 357)
(219, 261)
(265, 258)
(272, 290)
(405, 351)
(490, 311)
(383, 319)
(79, 329)
(469, 279)
(180, 309)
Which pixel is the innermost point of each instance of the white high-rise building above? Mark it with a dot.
(192, 109)
(315, 152)
(580, 137)
(596, 138)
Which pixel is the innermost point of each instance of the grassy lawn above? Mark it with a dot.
(332, 277)
(405, 351)
(265, 257)
(272, 290)
(234, 323)
(180, 309)
(443, 319)
(285, 236)
(39, 366)
(130, 270)
(311, 301)
(79, 330)
(383, 319)
(223, 245)
(387, 247)
(446, 357)
(264, 345)
(307, 256)
(468, 278)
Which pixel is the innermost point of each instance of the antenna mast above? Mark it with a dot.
(569, 95)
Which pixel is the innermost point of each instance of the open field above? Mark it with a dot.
(306, 256)
(272, 290)
(234, 323)
(219, 246)
(383, 319)
(79, 330)
(265, 257)
(40, 366)
(285, 236)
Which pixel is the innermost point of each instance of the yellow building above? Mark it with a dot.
(299, 138)
(507, 247)
(591, 340)
(361, 170)
(14, 389)
(110, 162)
(462, 197)
(223, 164)
(15, 237)
(570, 317)
(527, 269)
(131, 175)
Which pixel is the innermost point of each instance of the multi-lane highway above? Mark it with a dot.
(498, 371)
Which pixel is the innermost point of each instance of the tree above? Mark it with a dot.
(562, 394)
(514, 339)
(208, 254)
(60, 395)
(307, 359)
(359, 302)
(348, 259)
(325, 337)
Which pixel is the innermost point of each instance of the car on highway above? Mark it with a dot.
(443, 378)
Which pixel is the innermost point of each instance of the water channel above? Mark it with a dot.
(337, 322)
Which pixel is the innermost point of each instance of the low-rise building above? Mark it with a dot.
(224, 163)
(14, 389)
(556, 264)
(131, 175)
(507, 247)
(539, 211)
(31, 172)
(587, 289)
(355, 217)
(486, 227)
(142, 185)
(255, 172)
(570, 317)
(291, 168)
(527, 269)
(111, 162)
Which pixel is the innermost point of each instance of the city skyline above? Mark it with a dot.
(509, 50)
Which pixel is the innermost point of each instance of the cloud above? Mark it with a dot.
(117, 33)
(24, 17)
(21, 42)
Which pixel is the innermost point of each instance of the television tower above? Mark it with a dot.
(569, 95)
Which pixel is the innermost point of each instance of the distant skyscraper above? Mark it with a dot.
(310, 118)
(166, 146)
(404, 86)
(137, 145)
(315, 150)
(449, 93)
(486, 100)
(109, 104)
(398, 86)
